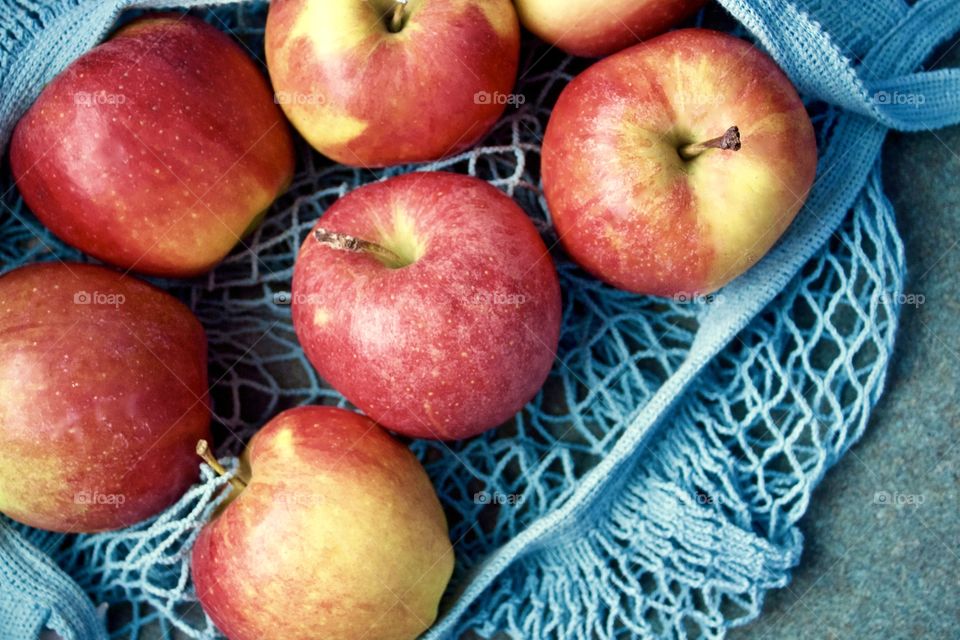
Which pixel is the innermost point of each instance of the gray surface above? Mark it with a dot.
(874, 570)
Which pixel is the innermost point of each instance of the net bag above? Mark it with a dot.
(659, 476)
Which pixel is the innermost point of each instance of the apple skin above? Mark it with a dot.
(594, 29)
(156, 151)
(338, 535)
(365, 96)
(450, 345)
(630, 210)
(102, 403)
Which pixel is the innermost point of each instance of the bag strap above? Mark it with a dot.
(50, 598)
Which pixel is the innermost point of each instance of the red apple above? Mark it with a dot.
(338, 535)
(155, 151)
(378, 82)
(641, 170)
(438, 312)
(103, 395)
(594, 29)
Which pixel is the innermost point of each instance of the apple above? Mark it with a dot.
(338, 534)
(672, 167)
(430, 302)
(103, 394)
(155, 151)
(374, 83)
(594, 29)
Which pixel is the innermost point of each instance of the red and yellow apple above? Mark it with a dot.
(430, 302)
(103, 395)
(156, 151)
(338, 535)
(374, 83)
(643, 171)
(593, 29)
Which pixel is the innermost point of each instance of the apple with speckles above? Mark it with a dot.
(594, 29)
(156, 151)
(332, 530)
(430, 302)
(672, 167)
(103, 395)
(374, 83)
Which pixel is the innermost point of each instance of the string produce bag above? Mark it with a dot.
(659, 476)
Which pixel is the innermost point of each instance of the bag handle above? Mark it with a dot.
(50, 597)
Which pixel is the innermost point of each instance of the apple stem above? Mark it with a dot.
(203, 450)
(396, 18)
(729, 141)
(343, 242)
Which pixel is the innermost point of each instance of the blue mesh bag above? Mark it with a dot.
(661, 472)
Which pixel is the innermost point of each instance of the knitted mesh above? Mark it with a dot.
(653, 487)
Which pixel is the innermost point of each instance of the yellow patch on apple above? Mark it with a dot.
(400, 235)
(335, 27)
(502, 17)
(751, 228)
(321, 317)
(339, 130)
